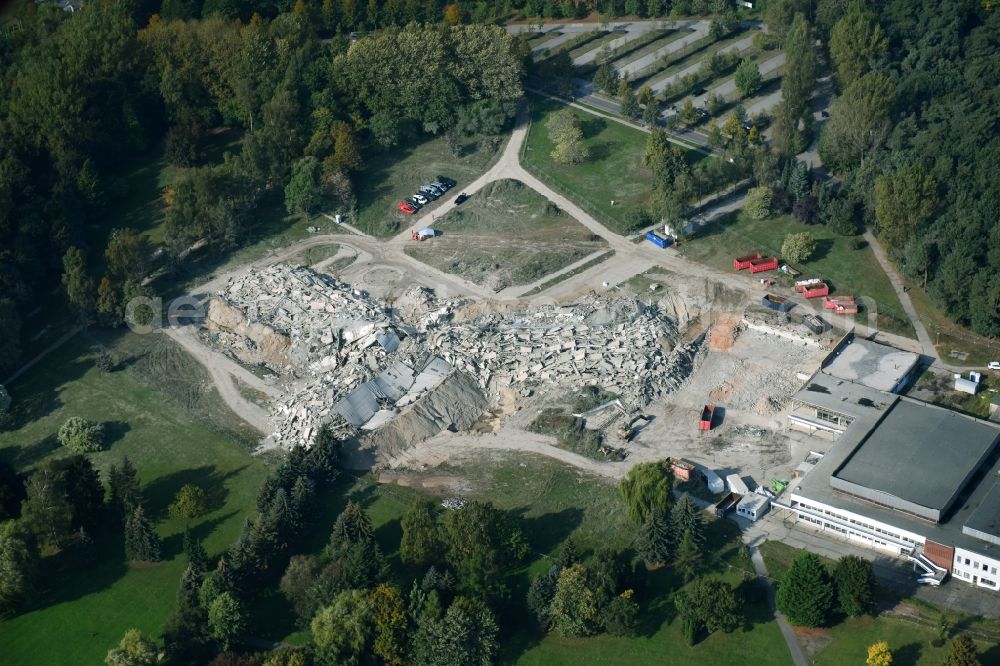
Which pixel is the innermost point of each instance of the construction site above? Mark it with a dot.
(411, 378)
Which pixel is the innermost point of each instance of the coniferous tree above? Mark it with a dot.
(654, 543)
(540, 595)
(142, 543)
(688, 559)
(806, 595)
(353, 526)
(569, 554)
(196, 555)
(854, 582)
(124, 493)
(686, 517)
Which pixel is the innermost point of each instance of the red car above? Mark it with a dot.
(406, 208)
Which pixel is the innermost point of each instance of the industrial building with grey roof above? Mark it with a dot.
(902, 475)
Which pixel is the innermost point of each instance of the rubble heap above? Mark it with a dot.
(326, 323)
(616, 344)
(353, 362)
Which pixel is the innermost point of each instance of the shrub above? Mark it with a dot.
(80, 435)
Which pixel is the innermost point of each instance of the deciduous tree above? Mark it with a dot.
(80, 435)
(421, 541)
(748, 78)
(962, 653)
(856, 42)
(574, 611)
(798, 247)
(189, 502)
(709, 604)
(648, 489)
(135, 649)
(879, 654)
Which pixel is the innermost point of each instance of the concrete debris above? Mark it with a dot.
(354, 362)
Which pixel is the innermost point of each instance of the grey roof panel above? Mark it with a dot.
(921, 454)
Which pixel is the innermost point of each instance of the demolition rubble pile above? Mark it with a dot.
(356, 363)
(618, 345)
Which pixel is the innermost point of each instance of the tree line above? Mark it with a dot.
(82, 93)
(911, 134)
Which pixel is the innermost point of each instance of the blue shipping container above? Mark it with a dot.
(657, 239)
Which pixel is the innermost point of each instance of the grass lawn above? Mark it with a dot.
(160, 413)
(391, 175)
(506, 234)
(613, 172)
(848, 271)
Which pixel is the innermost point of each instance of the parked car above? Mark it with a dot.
(413, 202)
(429, 191)
(702, 113)
(406, 208)
(994, 365)
(698, 91)
(747, 127)
(421, 199)
(824, 113)
(447, 181)
(460, 198)
(444, 187)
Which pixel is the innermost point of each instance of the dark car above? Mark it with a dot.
(702, 113)
(460, 198)
(698, 91)
(447, 181)
(413, 202)
(825, 114)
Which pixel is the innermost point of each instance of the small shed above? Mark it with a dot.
(753, 506)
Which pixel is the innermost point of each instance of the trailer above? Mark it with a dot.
(814, 323)
(726, 505)
(753, 506)
(712, 480)
(705, 423)
(682, 469)
(776, 303)
(736, 485)
(657, 239)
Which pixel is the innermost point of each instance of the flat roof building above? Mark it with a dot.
(902, 476)
(871, 364)
(917, 459)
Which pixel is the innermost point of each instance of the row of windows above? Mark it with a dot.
(868, 526)
(981, 581)
(976, 565)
